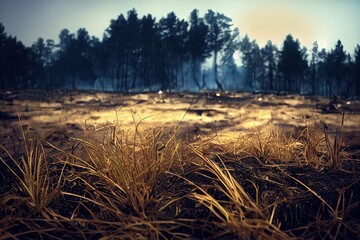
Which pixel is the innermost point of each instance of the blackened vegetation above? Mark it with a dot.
(305, 201)
(301, 213)
(146, 54)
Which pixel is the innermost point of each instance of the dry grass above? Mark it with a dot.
(335, 144)
(331, 222)
(236, 212)
(110, 182)
(130, 163)
(316, 145)
(33, 173)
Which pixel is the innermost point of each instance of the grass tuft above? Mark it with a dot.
(33, 173)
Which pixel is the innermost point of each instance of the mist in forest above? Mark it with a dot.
(202, 53)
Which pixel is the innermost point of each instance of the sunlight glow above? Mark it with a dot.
(323, 44)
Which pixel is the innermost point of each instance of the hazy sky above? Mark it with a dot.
(308, 20)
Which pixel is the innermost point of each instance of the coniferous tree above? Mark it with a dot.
(41, 63)
(339, 56)
(349, 77)
(115, 42)
(148, 40)
(64, 60)
(258, 67)
(3, 38)
(253, 62)
(314, 67)
(83, 67)
(99, 59)
(181, 53)
(197, 46)
(14, 60)
(74, 60)
(330, 72)
(38, 60)
(167, 31)
(357, 70)
(132, 50)
(270, 54)
(301, 83)
(218, 35)
(322, 72)
(247, 59)
(228, 65)
(173, 34)
(292, 63)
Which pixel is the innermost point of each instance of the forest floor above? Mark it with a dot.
(243, 166)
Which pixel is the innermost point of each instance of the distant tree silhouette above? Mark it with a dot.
(132, 50)
(270, 54)
(247, 59)
(330, 72)
(302, 83)
(314, 67)
(218, 35)
(3, 38)
(99, 59)
(253, 62)
(14, 60)
(38, 59)
(335, 69)
(292, 63)
(83, 65)
(115, 40)
(142, 53)
(228, 65)
(322, 73)
(339, 56)
(64, 63)
(351, 84)
(357, 70)
(197, 46)
(148, 51)
(173, 34)
(258, 66)
(181, 52)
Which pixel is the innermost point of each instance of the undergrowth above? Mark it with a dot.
(110, 184)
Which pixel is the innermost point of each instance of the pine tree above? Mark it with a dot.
(218, 35)
(314, 67)
(197, 46)
(228, 65)
(292, 63)
(357, 70)
(339, 66)
(270, 54)
(115, 40)
(253, 61)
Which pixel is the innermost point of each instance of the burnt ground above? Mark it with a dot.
(300, 212)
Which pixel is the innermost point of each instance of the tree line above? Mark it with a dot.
(138, 54)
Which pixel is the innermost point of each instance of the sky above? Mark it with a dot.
(324, 21)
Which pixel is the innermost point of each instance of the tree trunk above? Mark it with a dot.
(270, 78)
(195, 73)
(218, 84)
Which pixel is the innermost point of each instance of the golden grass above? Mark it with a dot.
(131, 162)
(112, 176)
(315, 145)
(33, 173)
(239, 214)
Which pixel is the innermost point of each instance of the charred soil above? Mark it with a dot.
(228, 177)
